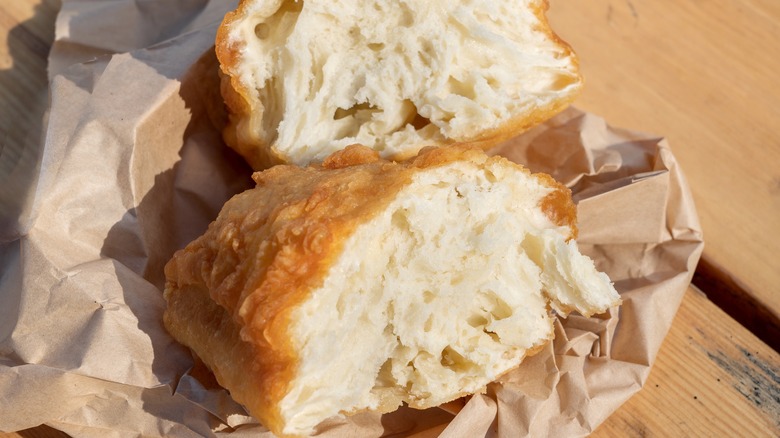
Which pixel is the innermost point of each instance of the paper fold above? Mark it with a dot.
(134, 168)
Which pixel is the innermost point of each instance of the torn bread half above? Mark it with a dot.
(362, 284)
(302, 79)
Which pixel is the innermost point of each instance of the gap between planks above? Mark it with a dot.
(735, 298)
(712, 377)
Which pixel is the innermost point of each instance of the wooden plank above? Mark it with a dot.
(703, 74)
(730, 294)
(712, 377)
(675, 68)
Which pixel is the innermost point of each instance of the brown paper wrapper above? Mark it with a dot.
(134, 168)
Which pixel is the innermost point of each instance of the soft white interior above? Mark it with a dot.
(392, 74)
(437, 296)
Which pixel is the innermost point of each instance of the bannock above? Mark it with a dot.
(361, 284)
(302, 79)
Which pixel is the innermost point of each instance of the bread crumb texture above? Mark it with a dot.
(306, 78)
(361, 284)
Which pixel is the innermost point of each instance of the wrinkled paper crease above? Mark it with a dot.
(134, 168)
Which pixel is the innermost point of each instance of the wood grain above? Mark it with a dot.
(700, 73)
(712, 377)
(703, 74)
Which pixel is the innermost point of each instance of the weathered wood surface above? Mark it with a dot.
(700, 74)
(704, 75)
(712, 377)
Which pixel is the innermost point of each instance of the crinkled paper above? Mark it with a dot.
(134, 168)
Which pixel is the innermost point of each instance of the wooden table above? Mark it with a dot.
(704, 74)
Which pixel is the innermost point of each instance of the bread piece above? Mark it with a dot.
(303, 79)
(361, 284)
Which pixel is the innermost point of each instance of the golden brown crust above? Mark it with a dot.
(236, 96)
(194, 319)
(350, 156)
(558, 205)
(231, 292)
